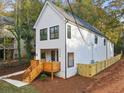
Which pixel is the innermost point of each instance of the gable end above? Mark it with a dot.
(42, 11)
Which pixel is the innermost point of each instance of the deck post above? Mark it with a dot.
(52, 70)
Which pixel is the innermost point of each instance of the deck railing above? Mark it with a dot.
(38, 67)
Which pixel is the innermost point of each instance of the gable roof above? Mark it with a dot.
(70, 17)
(81, 22)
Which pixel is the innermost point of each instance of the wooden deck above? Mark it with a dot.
(38, 67)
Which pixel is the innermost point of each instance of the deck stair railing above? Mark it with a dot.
(38, 67)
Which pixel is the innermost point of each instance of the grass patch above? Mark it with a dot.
(8, 88)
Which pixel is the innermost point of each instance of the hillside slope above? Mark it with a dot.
(110, 80)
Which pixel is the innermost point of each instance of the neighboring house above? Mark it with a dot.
(8, 43)
(58, 39)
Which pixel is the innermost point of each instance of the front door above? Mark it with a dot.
(53, 55)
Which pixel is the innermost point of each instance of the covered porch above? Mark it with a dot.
(52, 54)
(49, 54)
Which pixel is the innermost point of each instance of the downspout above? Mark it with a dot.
(65, 51)
(92, 59)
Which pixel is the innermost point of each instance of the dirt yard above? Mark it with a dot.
(12, 67)
(110, 80)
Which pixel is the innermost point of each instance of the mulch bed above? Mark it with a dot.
(11, 67)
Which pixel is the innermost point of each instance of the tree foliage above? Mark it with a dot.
(30, 10)
(115, 9)
(98, 17)
(16, 28)
(3, 8)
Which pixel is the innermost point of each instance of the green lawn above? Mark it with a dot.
(8, 88)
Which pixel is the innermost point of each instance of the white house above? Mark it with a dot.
(59, 39)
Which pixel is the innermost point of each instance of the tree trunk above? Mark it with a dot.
(19, 51)
(28, 51)
(4, 49)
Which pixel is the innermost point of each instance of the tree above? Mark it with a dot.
(115, 9)
(3, 8)
(97, 17)
(58, 3)
(28, 17)
(16, 28)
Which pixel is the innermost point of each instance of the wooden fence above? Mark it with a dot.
(90, 70)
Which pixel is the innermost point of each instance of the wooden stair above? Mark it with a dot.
(33, 71)
(38, 67)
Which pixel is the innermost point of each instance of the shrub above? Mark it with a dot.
(43, 76)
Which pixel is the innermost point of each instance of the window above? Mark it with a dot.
(104, 42)
(53, 55)
(69, 31)
(70, 59)
(43, 55)
(43, 34)
(57, 55)
(96, 39)
(54, 32)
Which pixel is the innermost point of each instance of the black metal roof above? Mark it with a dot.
(87, 25)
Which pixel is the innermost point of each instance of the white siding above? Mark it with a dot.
(110, 48)
(83, 51)
(99, 49)
(48, 19)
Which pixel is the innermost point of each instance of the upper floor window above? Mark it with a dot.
(69, 31)
(96, 39)
(54, 32)
(43, 34)
(104, 42)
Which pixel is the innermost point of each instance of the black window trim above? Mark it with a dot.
(46, 34)
(105, 41)
(54, 32)
(69, 32)
(96, 39)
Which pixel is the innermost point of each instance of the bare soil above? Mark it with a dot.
(111, 80)
(12, 67)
